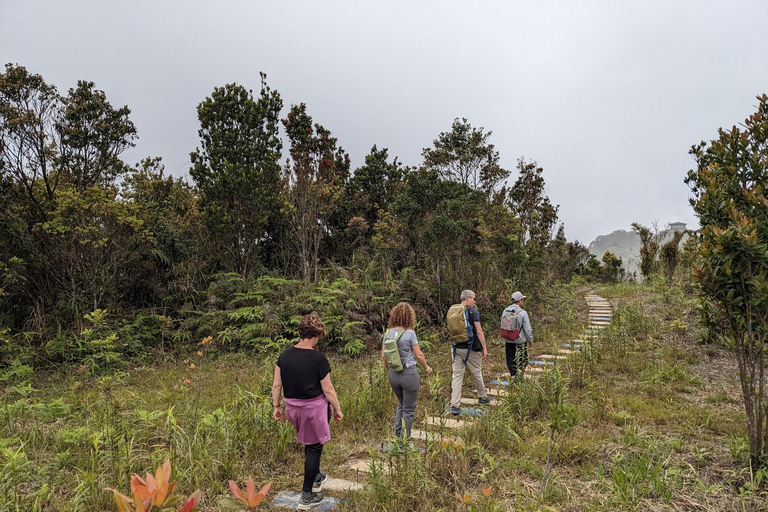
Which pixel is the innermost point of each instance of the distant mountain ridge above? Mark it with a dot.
(626, 245)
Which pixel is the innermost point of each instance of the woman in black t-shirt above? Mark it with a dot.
(303, 375)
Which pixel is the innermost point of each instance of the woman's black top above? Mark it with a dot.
(301, 370)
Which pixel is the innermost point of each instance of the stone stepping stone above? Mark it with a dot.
(440, 421)
(573, 344)
(425, 435)
(290, 500)
(606, 319)
(364, 465)
(472, 401)
(468, 411)
(360, 465)
(431, 435)
(550, 357)
(533, 370)
(541, 363)
(565, 351)
(392, 448)
(497, 392)
(339, 484)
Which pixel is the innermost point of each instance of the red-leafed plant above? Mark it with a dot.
(248, 500)
(155, 494)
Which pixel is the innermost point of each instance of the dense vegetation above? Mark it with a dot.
(252, 242)
(141, 315)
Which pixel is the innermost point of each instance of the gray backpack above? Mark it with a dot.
(509, 330)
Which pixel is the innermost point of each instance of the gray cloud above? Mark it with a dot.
(606, 97)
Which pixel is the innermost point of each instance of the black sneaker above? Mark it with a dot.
(455, 410)
(320, 479)
(314, 499)
(484, 400)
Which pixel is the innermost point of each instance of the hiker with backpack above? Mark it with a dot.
(516, 332)
(400, 352)
(303, 375)
(468, 349)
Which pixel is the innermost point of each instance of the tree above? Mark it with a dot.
(371, 190)
(529, 202)
(465, 156)
(729, 187)
(237, 170)
(93, 135)
(613, 268)
(649, 249)
(29, 108)
(181, 250)
(313, 178)
(669, 255)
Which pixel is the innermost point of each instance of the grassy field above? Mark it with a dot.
(659, 424)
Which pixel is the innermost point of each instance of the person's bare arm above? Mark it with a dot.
(277, 388)
(420, 358)
(481, 337)
(330, 393)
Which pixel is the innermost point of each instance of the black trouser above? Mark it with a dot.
(517, 357)
(312, 453)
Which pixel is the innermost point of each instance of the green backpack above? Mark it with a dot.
(458, 324)
(459, 328)
(391, 352)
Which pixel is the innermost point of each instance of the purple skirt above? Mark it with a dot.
(310, 418)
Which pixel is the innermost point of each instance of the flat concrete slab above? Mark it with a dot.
(541, 363)
(498, 392)
(471, 401)
(439, 421)
(339, 484)
(363, 465)
(565, 351)
(551, 357)
(290, 500)
(425, 435)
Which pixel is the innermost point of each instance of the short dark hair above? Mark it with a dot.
(311, 326)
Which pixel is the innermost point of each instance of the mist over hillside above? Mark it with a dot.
(626, 245)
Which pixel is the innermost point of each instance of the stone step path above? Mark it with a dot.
(290, 500)
(436, 428)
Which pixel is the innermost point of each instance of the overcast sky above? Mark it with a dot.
(607, 98)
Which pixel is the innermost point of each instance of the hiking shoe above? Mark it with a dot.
(455, 410)
(320, 479)
(485, 400)
(308, 503)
